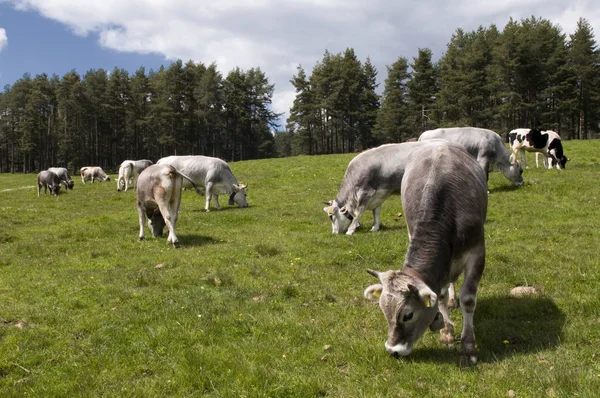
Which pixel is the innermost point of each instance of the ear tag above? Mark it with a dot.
(376, 293)
(427, 302)
(330, 211)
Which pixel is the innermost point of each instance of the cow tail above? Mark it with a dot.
(198, 190)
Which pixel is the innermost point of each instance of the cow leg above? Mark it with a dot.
(451, 297)
(468, 299)
(447, 332)
(38, 189)
(142, 218)
(166, 209)
(537, 160)
(208, 195)
(217, 205)
(523, 158)
(376, 215)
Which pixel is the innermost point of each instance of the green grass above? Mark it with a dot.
(246, 306)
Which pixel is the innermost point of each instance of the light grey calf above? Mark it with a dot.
(49, 181)
(93, 173)
(370, 179)
(484, 145)
(444, 197)
(129, 171)
(158, 198)
(213, 174)
(63, 176)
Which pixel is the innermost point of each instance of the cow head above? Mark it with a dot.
(409, 306)
(514, 172)
(54, 189)
(238, 196)
(340, 217)
(562, 161)
(70, 184)
(156, 222)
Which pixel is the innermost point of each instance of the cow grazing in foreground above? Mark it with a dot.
(547, 142)
(444, 197)
(129, 171)
(484, 145)
(158, 198)
(211, 173)
(93, 173)
(49, 181)
(370, 179)
(63, 176)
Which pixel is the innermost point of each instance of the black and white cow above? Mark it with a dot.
(444, 198)
(211, 173)
(370, 179)
(484, 145)
(546, 142)
(49, 181)
(129, 170)
(158, 194)
(63, 176)
(93, 173)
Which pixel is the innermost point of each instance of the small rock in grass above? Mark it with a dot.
(511, 394)
(326, 347)
(159, 266)
(324, 358)
(521, 291)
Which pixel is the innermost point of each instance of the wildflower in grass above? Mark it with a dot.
(506, 342)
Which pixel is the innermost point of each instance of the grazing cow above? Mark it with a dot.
(93, 173)
(158, 198)
(213, 174)
(484, 145)
(371, 177)
(444, 197)
(547, 142)
(129, 171)
(63, 176)
(48, 180)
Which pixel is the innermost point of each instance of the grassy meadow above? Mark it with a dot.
(266, 302)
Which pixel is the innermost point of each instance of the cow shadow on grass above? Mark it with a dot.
(504, 188)
(505, 326)
(195, 240)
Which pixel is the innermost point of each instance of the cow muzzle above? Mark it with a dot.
(399, 350)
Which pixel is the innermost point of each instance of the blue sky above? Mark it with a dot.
(38, 45)
(56, 36)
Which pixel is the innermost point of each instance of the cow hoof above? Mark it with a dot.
(447, 336)
(141, 238)
(175, 245)
(468, 359)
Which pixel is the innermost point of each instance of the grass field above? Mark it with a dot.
(266, 302)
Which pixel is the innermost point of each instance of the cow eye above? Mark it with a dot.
(407, 317)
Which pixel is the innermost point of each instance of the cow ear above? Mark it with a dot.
(236, 188)
(425, 294)
(330, 210)
(373, 292)
(343, 210)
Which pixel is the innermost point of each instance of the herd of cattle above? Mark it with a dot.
(442, 180)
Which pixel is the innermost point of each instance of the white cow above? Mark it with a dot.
(63, 176)
(129, 170)
(49, 181)
(444, 198)
(370, 179)
(158, 198)
(484, 145)
(93, 173)
(211, 173)
(547, 143)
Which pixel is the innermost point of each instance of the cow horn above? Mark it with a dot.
(374, 273)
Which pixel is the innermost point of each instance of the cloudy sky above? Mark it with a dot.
(56, 36)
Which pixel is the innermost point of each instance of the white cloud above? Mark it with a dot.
(278, 35)
(3, 39)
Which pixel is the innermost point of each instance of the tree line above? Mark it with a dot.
(103, 118)
(530, 74)
(527, 75)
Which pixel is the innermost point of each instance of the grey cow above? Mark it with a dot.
(158, 194)
(370, 179)
(93, 173)
(49, 181)
(129, 171)
(211, 173)
(444, 197)
(484, 145)
(63, 176)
